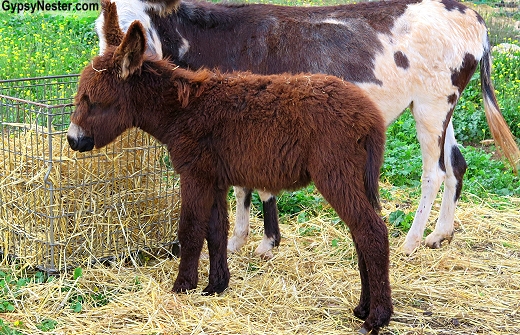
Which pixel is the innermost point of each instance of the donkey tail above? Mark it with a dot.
(374, 146)
(504, 139)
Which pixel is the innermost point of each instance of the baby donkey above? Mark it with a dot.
(261, 132)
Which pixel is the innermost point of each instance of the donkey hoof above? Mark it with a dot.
(235, 244)
(182, 288)
(214, 289)
(364, 331)
(434, 241)
(410, 245)
(361, 312)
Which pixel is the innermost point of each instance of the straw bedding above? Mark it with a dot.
(471, 286)
(101, 204)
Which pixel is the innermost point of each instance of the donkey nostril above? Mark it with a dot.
(72, 142)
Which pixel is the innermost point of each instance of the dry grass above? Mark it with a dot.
(60, 207)
(471, 286)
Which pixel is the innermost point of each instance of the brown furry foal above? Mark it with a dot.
(264, 132)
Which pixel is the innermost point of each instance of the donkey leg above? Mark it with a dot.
(370, 236)
(455, 169)
(371, 239)
(217, 236)
(429, 133)
(363, 308)
(196, 203)
(272, 234)
(241, 231)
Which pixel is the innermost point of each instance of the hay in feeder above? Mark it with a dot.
(83, 206)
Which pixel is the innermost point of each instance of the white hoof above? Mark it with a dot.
(264, 250)
(410, 245)
(434, 240)
(235, 243)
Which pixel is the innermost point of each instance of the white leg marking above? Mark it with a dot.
(428, 133)
(444, 227)
(264, 196)
(264, 250)
(241, 231)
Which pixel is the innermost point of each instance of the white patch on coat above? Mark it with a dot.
(128, 11)
(241, 231)
(426, 83)
(75, 131)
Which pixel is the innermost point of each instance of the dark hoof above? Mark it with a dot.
(183, 287)
(365, 332)
(361, 313)
(379, 318)
(215, 289)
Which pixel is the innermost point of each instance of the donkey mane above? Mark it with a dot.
(188, 83)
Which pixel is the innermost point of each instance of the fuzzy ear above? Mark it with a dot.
(130, 54)
(162, 7)
(111, 30)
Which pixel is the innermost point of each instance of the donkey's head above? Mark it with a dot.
(103, 101)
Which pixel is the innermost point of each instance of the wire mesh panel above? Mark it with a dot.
(60, 208)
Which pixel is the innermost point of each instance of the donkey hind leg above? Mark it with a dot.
(272, 234)
(370, 236)
(363, 308)
(455, 169)
(241, 231)
(196, 202)
(217, 237)
(429, 131)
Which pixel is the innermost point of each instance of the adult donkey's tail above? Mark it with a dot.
(504, 139)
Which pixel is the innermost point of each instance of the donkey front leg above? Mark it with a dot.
(217, 238)
(272, 234)
(241, 231)
(196, 204)
(429, 131)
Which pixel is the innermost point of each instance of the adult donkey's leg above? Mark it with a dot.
(455, 167)
(272, 234)
(241, 230)
(430, 130)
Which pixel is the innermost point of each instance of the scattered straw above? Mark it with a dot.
(61, 208)
(471, 286)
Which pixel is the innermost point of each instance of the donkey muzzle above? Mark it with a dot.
(77, 139)
(81, 144)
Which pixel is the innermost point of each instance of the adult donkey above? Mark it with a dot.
(404, 53)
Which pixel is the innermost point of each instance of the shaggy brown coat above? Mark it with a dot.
(266, 132)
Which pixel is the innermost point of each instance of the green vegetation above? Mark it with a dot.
(35, 45)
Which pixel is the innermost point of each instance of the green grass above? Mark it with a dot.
(35, 45)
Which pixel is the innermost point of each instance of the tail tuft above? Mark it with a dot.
(504, 139)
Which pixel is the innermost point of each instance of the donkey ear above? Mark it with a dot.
(130, 54)
(162, 7)
(111, 30)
